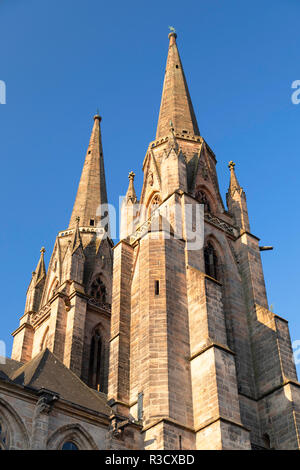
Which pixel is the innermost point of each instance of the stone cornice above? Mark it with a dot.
(37, 319)
(183, 137)
(70, 231)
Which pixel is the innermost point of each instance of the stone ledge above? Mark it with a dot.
(247, 233)
(168, 420)
(212, 345)
(280, 318)
(114, 337)
(120, 242)
(275, 389)
(278, 387)
(24, 325)
(112, 402)
(189, 266)
(225, 420)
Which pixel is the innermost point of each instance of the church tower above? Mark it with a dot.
(68, 308)
(195, 353)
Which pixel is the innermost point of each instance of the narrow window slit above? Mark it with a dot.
(140, 406)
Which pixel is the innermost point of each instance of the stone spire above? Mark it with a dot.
(91, 192)
(234, 184)
(236, 201)
(40, 272)
(176, 105)
(36, 286)
(131, 194)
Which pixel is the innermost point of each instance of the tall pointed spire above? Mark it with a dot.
(91, 192)
(176, 105)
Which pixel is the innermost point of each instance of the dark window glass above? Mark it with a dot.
(69, 445)
(98, 290)
(211, 261)
(267, 442)
(96, 363)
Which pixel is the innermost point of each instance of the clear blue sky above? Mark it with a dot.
(61, 60)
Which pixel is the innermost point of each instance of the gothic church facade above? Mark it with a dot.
(152, 344)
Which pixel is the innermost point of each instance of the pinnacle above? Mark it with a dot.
(131, 194)
(40, 272)
(234, 184)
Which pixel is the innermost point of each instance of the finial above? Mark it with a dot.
(131, 175)
(42, 250)
(77, 220)
(97, 116)
(231, 165)
(171, 124)
(172, 32)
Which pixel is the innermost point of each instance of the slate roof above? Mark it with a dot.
(48, 372)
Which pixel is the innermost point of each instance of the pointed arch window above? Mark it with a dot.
(98, 290)
(44, 343)
(202, 198)
(211, 261)
(155, 202)
(96, 362)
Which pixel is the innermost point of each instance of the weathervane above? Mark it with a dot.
(172, 29)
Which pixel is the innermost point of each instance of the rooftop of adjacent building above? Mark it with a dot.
(46, 372)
